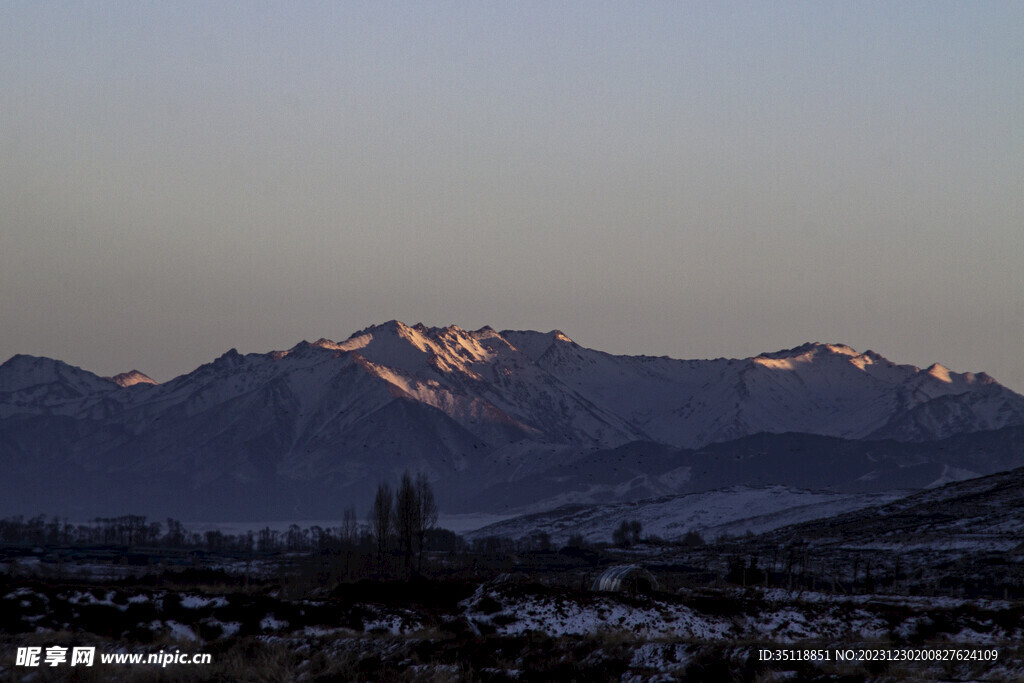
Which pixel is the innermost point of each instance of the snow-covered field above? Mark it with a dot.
(506, 627)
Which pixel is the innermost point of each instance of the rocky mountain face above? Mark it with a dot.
(307, 431)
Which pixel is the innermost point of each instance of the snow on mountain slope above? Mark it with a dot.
(534, 344)
(815, 388)
(477, 377)
(478, 408)
(547, 388)
(33, 385)
(971, 517)
(732, 511)
(131, 378)
(984, 406)
(22, 372)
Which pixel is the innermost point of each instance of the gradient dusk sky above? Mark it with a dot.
(685, 179)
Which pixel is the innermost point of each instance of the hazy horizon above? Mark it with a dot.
(689, 180)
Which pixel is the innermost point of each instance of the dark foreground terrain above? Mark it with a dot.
(500, 614)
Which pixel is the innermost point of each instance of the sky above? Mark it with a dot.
(695, 180)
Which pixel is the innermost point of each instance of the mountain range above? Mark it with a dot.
(304, 432)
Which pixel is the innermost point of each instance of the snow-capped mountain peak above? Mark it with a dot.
(22, 372)
(535, 344)
(939, 372)
(414, 349)
(812, 350)
(131, 378)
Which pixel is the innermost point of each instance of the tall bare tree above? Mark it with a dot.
(380, 520)
(407, 518)
(349, 531)
(427, 513)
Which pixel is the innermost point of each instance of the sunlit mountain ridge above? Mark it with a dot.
(473, 407)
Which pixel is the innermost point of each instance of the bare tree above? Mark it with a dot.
(349, 527)
(427, 513)
(409, 515)
(380, 519)
(407, 518)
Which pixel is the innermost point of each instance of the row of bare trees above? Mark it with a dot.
(400, 521)
(125, 530)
